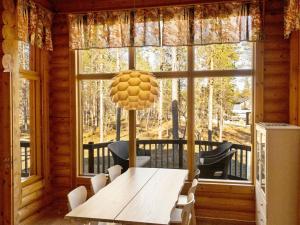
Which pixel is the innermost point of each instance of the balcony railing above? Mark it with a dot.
(163, 154)
(166, 154)
(25, 158)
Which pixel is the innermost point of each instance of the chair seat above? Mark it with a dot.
(182, 200)
(142, 160)
(176, 216)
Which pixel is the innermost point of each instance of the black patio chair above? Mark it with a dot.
(120, 154)
(197, 174)
(215, 168)
(220, 150)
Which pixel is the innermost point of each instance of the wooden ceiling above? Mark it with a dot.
(66, 6)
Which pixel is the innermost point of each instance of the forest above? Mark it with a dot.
(222, 106)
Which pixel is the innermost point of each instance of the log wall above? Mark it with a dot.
(294, 85)
(276, 65)
(36, 192)
(232, 202)
(21, 202)
(6, 158)
(222, 201)
(4, 186)
(61, 149)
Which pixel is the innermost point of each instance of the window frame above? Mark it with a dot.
(35, 119)
(190, 74)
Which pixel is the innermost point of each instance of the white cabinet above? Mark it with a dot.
(277, 173)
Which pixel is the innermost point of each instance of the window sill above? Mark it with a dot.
(230, 182)
(30, 180)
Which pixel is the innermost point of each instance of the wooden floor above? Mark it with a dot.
(54, 217)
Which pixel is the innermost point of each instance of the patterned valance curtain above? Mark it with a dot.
(227, 23)
(291, 17)
(172, 26)
(34, 24)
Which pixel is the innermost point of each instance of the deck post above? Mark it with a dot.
(180, 154)
(26, 162)
(132, 138)
(91, 157)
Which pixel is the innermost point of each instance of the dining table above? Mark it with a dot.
(138, 196)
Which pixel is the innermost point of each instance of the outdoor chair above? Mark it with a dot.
(120, 154)
(197, 174)
(220, 150)
(215, 168)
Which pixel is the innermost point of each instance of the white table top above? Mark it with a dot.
(140, 195)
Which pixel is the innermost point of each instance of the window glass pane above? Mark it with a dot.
(24, 55)
(109, 60)
(223, 108)
(224, 56)
(160, 127)
(101, 122)
(24, 124)
(161, 59)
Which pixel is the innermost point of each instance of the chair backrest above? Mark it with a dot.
(227, 159)
(77, 197)
(193, 187)
(186, 213)
(120, 148)
(114, 172)
(197, 174)
(223, 147)
(119, 151)
(98, 182)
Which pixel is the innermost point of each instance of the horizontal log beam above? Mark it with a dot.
(77, 6)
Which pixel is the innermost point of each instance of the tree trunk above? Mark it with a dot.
(160, 110)
(210, 101)
(210, 107)
(101, 114)
(175, 97)
(119, 110)
(221, 119)
(118, 124)
(148, 118)
(221, 123)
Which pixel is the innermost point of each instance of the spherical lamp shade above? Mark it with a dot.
(134, 90)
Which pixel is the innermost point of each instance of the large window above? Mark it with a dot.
(95, 61)
(222, 96)
(161, 59)
(29, 114)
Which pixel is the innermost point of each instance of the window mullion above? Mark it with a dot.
(190, 115)
(131, 58)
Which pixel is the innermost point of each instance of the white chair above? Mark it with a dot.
(77, 197)
(114, 172)
(183, 199)
(186, 214)
(98, 182)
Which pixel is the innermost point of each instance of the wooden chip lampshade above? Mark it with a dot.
(133, 90)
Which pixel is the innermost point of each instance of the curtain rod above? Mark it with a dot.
(155, 7)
